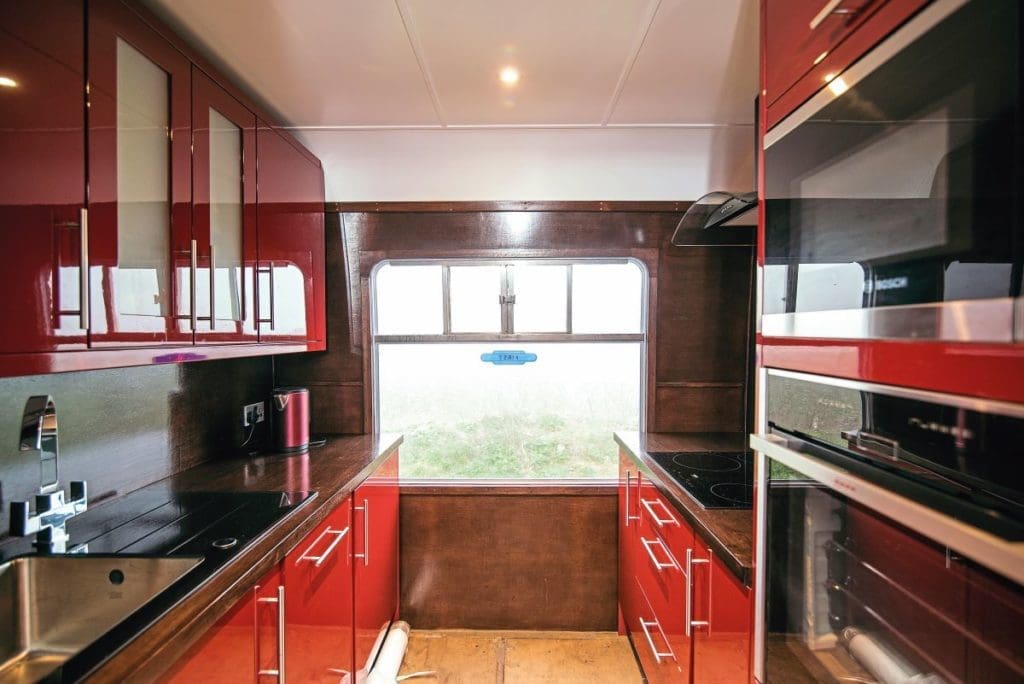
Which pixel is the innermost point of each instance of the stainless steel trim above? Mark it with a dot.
(446, 300)
(1002, 408)
(906, 34)
(999, 555)
(976, 320)
(213, 286)
(760, 567)
(193, 269)
(689, 622)
(83, 269)
(824, 13)
(568, 299)
(1018, 320)
(658, 565)
(658, 655)
(646, 503)
(365, 555)
(319, 560)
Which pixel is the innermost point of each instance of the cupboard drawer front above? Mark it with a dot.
(655, 510)
(663, 655)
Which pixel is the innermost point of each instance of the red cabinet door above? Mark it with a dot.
(721, 621)
(223, 214)
(375, 521)
(140, 194)
(318, 616)
(291, 243)
(244, 640)
(42, 186)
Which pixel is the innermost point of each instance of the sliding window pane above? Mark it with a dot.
(541, 298)
(607, 298)
(475, 293)
(408, 300)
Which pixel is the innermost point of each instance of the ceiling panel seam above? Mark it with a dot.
(627, 69)
(405, 13)
(506, 127)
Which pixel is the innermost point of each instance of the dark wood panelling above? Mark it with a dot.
(336, 408)
(699, 409)
(509, 560)
(124, 428)
(702, 314)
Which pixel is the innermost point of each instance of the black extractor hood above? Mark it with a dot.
(728, 218)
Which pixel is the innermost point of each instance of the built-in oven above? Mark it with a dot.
(890, 534)
(893, 197)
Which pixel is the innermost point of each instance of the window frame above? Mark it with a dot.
(448, 337)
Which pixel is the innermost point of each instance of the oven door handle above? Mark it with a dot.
(1002, 556)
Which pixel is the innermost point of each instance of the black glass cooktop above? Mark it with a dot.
(716, 479)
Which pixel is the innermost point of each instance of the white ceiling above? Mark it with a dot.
(366, 64)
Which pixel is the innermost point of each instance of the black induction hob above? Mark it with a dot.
(716, 479)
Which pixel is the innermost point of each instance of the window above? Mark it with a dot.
(509, 370)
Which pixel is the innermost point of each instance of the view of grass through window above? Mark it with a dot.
(466, 418)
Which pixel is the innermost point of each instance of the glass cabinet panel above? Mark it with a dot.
(226, 216)
(143, 185)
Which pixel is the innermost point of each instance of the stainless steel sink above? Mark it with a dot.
(52, 607)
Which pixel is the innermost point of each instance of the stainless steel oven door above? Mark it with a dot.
(857, 583)
(893, 197)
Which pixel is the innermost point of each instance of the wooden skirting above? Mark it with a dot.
(510, 558)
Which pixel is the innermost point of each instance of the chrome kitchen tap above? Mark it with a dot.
(39, 433)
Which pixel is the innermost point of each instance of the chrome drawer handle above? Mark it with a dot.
(829, 8)
(279, 672)
(319, 560)
(688, 617)
(629, 517)
(365, 555)
(658, 655)
(648, 504)
(658, 565)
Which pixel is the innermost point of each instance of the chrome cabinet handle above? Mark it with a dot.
(279, 600)
(269, 270)
(645, 625)
(650, 511)
(213, 287)
(829, 8)
(365, 555)
(319, 560)
(690, 623)
(194, 267)
(658, 565)
(83, 271)
(627, 516)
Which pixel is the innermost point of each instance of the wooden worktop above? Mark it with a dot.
(729, 532)
(333, 471)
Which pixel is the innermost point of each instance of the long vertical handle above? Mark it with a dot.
(272, 293)
(213, 287)
(827, 9)
(83, 271)
(193, 268)
(626, 514)
(279, 672)
(689, 622)
(365, 555)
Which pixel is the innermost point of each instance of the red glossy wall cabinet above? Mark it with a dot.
(319, 612)
(42, 187)
(291, 243)
(223, 247)
(244, 645)
(804, 42)
(375, 523)
(140, 190)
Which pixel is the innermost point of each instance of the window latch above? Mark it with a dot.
(507, 299)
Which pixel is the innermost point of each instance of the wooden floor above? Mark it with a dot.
(519, 657)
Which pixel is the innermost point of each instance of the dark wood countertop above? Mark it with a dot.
(333, 471)
(729, 533)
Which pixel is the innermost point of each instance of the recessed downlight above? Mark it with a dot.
(509, 75)
(8, 82)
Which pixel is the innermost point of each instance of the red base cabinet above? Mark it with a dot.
(375, 519)
(688, 616)
(243, 644)
(318, 612)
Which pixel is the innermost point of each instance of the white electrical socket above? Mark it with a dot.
(253, 413)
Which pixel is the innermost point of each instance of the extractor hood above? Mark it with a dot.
(717, 211)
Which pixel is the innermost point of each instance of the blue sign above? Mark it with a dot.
(508, 358)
